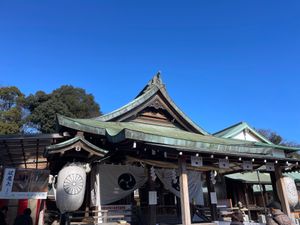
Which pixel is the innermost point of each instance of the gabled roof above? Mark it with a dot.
(154, 91)
(175, 131)
(235, 129)
(77, 141)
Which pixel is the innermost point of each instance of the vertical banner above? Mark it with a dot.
(8, 179)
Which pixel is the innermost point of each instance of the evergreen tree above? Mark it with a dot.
(66, 100)
(11, 110)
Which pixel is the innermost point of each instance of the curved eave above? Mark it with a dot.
(130, 106)
(281, 147)
(72, 123)
(77, 140)
(116, 132)
(154, 89)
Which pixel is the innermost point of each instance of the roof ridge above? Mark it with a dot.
(240, 126)
(230, 127)
(153, 87)
(155, 81)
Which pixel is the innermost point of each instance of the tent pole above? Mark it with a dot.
(262, 195)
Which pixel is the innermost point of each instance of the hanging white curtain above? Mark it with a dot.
(116, 181)
(170, 180)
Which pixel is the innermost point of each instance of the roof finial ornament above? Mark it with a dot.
(154, 82)
(157, 78)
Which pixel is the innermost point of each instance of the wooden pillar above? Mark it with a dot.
(184, 192)
(210, 189)
(246, 189)
(87, 196)
(274, 187)
(282, 191)
(152, 208)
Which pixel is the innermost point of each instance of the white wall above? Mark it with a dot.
(246, 136)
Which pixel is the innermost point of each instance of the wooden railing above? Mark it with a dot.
(92, 217)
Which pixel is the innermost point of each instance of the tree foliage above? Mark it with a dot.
(271, 136)
(66, 100)
(11, 110)
(276, 138)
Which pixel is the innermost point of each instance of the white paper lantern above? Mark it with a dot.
(70, 188)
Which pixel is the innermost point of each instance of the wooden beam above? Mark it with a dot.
(37, 153)
(8, 152)
(282, 193)
(30, 137)
(23, 152)
(184, 192)
(211, 188)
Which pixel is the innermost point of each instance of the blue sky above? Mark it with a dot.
(222, 61)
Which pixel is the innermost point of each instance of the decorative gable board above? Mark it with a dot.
(157, 111)
(157, 117)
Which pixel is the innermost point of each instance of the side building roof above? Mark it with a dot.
(235, 129)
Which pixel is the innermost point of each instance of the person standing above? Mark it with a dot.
(3, 213)
(24, 219)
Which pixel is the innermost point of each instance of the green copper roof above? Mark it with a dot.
(118, 131)
(294, 175)
(74, 140)
(251, 177)
(237, 128)
(153, 87)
